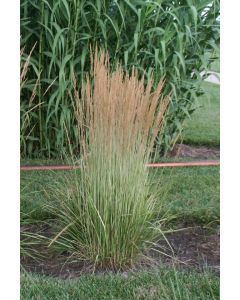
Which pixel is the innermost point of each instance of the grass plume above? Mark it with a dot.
(106, 209)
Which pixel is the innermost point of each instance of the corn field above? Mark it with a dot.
(161, 38)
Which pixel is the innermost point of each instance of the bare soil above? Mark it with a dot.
(199, 152)
(193, 248)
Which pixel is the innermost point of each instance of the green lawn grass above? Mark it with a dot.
(165, 284)
(204, 126)
(192, 194)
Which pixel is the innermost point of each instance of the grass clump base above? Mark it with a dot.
(106, 210)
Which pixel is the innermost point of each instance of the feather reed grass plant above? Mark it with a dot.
(105, 211)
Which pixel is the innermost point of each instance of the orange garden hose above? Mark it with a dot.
(207, 163)
(184, 164)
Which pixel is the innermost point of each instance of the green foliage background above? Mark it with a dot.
(168, 38)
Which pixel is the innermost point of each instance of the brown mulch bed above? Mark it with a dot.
(199, 152)
(194, 247)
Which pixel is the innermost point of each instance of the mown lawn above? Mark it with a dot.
(164, 284)
(191, 194)
(204, 126)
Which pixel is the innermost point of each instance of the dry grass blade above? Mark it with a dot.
(24, 69)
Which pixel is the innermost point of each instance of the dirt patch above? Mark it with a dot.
(200, 152)
(195, 248)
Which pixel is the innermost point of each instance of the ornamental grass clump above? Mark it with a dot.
(106, 210)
